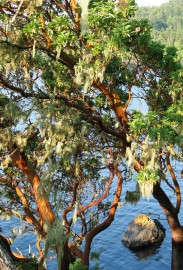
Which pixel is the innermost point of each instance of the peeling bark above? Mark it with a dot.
(6, 261)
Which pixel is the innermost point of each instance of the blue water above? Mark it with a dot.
(114, 255)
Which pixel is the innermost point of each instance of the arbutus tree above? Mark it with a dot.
(69, 71)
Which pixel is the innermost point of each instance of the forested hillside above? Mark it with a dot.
(166, 21)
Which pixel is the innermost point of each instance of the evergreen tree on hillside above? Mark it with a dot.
(166, 21)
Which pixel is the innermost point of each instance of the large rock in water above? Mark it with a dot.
(143, 231)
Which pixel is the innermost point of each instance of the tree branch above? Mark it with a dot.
(30, 217)
(167, 206)
(176, 184)
(106, 223)
(101, 198)
(44, 208)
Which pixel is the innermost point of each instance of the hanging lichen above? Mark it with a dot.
(75, 213)
(18, 9)
(84, 15)
(130, 156)
(86, 74)
(34, 49)
(146, 179)
(55, 238)
(146, 189)
(5, 163)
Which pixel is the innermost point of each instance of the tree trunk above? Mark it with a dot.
(177, 248)
(6, 261)
(177, 256)
(175, 226)
(67, 258)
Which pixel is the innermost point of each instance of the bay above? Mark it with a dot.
(112, 254)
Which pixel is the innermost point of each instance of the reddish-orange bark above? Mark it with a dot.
(89, 237)
(93, 203)
(29, 215)
(115, 103)
(42, 202)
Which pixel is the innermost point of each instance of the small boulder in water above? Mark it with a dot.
(143, 231)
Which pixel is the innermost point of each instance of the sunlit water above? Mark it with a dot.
(113, 254)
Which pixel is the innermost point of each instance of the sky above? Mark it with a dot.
(150, 2)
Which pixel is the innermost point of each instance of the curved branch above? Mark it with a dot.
(176, 184)
(75, 250)
(69, 209)
(89, 116)
(112, 96)
(166, 206)
(129, 98)
(30, 217)
(115, 103)
(101, 198)
(47, 38)
(104, 225)
(170, 186)
(19, 90)
(44, 207)
(75, 12)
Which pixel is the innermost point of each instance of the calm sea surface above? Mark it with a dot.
(113, 254)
